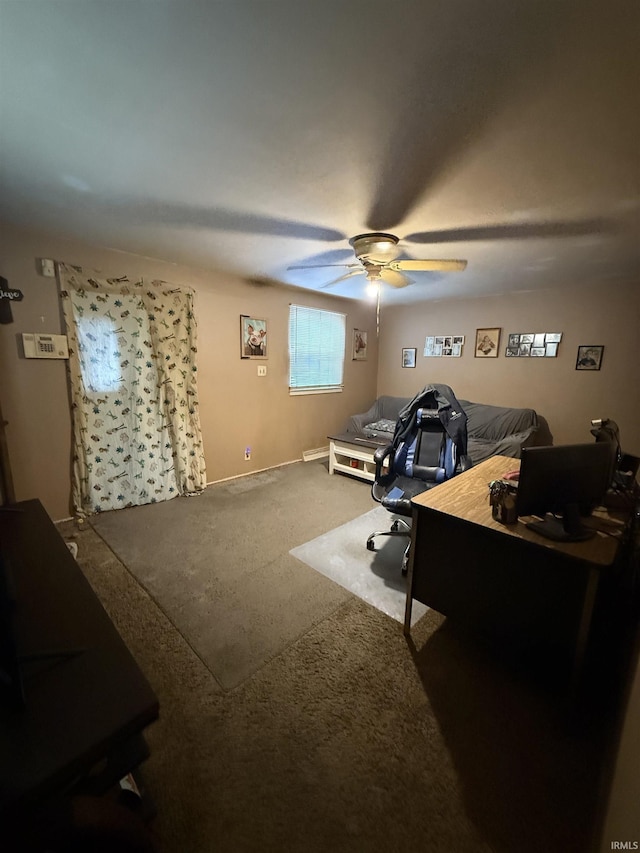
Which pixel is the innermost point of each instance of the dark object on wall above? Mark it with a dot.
(7, 296)
(5, 303)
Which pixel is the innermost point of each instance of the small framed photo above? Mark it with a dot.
(359, 345)
(524, 349)
(253, 337)
(514, 340)
(537, 352)
(456, 350)
(551, 350)
(439, 340)
(512, 352)
(458, 339)
(526, 338)
(487, 342)
(409, 357)
(589, 357)
(553, 337)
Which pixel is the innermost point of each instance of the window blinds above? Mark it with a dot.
(316, 350)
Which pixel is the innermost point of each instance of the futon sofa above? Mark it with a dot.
(492, 430)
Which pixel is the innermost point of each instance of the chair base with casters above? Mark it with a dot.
(396, 529)
(425, 452)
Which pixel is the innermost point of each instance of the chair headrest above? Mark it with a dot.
(428, 419)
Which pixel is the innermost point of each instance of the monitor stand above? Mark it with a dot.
(569, 528)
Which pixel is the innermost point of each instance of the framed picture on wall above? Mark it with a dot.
(253, 337)
(409, 357)
(359, 345)
(487, 342)
(589, 357)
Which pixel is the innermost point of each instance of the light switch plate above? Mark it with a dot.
(48, 267)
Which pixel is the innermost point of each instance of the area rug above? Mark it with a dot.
(218, 565)
(375, 576)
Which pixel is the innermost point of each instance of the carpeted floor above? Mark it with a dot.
(343, 736)
(218, 564)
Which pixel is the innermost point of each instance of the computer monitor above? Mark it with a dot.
(568, 480)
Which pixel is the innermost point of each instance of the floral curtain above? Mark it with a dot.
(132, 370)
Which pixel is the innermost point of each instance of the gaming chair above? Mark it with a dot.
(429, 446)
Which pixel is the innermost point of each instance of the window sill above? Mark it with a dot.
(297, 392)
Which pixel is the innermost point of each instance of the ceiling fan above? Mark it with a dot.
(376, 255)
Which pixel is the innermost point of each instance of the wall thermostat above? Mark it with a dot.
(44, 346)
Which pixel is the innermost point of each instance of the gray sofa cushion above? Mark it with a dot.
(498, 430)
(482, 448)
(496, 422)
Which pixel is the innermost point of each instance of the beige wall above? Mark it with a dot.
(240, 409)
(237, 408)
(567, 398)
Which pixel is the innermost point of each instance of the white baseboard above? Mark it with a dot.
(249, 473)
(318, 453)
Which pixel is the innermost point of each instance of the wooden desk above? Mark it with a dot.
(505, 580)
(80, 711)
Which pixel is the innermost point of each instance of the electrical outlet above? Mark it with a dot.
(262, 370)
(247, 453)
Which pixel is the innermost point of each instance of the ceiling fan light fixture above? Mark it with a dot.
(373, 283)
(376, 255)
(376, 246)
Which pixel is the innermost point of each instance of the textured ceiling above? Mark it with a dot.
(252, 136)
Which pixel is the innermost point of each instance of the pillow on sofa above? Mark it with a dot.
(383, 425)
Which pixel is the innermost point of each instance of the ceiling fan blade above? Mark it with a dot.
(343, 277)
(394, 278)
(324, 266)
(443, 266)
(516, 231)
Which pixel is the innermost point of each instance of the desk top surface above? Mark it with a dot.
(466, 497)
(77, 707)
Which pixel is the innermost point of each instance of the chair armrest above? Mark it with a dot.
(381, 481)
(379, 457)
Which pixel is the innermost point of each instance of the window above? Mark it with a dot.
(100, 356)
(316, 350)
